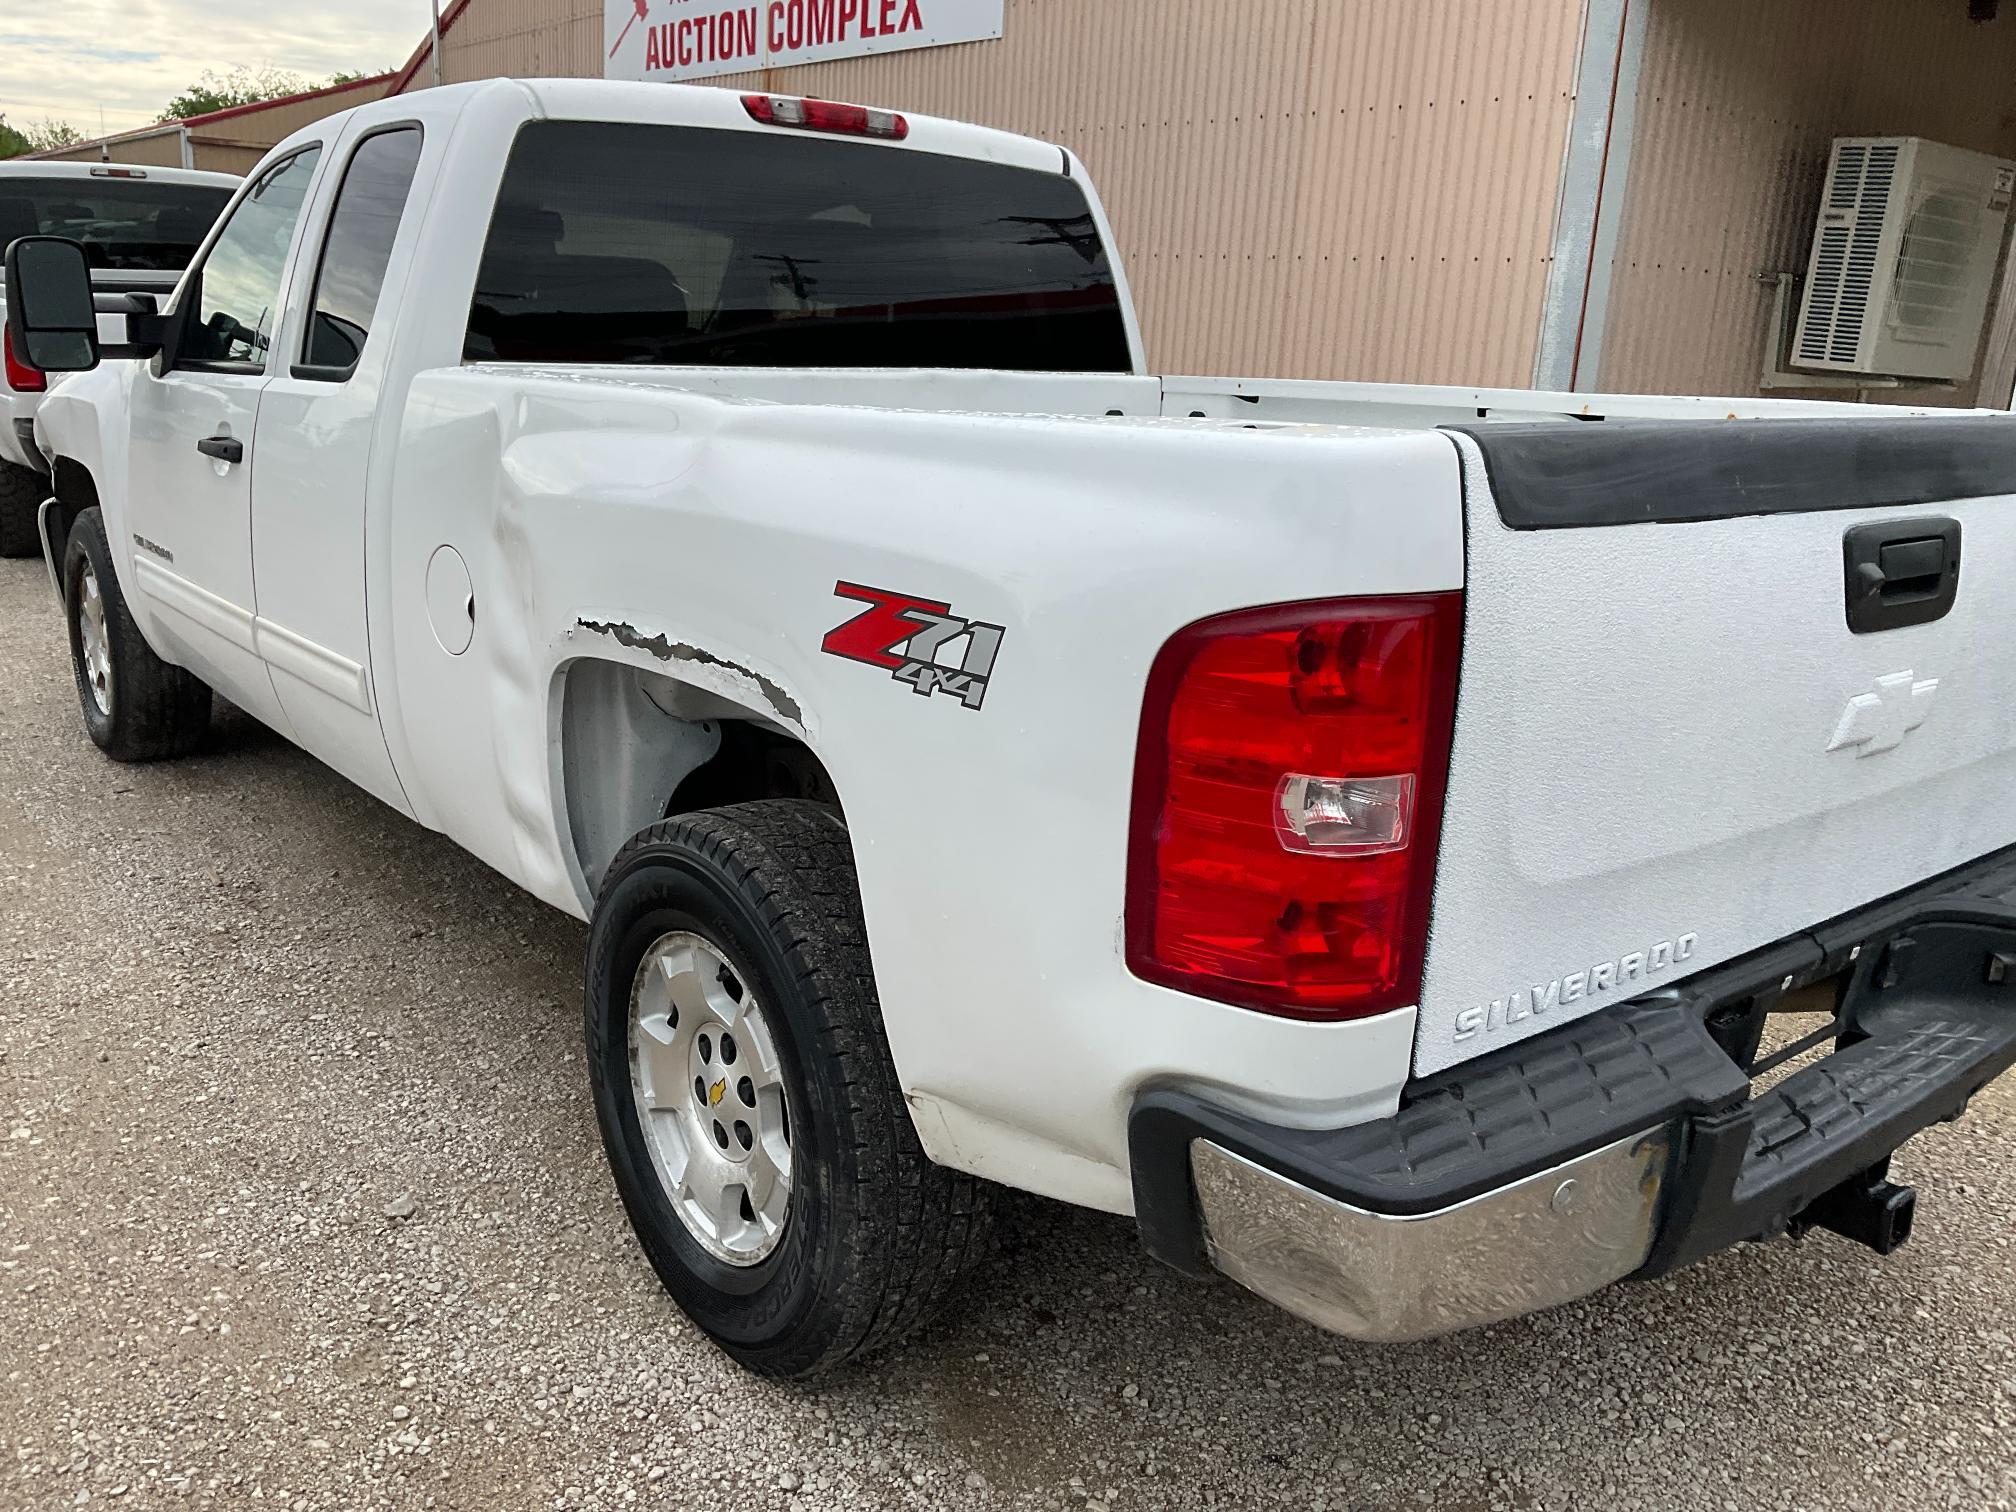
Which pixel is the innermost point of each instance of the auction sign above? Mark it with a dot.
(664, 40)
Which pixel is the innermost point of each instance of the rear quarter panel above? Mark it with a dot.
(703, 537)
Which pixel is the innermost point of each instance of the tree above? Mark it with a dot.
(52, 133)
(241, 86)
(15, 141)
(244, 86)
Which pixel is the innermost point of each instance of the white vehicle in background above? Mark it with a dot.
(138, 227)
(1362, 832)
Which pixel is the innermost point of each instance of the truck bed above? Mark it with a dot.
(1663, 755)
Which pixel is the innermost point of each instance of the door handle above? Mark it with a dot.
(223, 448)
(1900, 572)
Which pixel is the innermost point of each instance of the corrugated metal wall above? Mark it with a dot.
(155, 150)
(530, 39)
(222, 155)
(1307, 188)
(1737, 106)
(268, 124)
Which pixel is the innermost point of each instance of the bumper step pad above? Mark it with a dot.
(1921, 1042)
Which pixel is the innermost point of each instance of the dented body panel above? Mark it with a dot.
(717, 542)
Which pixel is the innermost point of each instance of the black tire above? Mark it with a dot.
(875, 1235)
(21, 496)
(152, 710)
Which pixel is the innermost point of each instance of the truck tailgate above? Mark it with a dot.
(1671, 747)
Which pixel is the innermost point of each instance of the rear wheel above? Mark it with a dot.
(136, 706)
(747, 1099)
(21, 496)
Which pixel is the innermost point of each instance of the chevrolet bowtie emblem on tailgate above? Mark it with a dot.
(1879, 721)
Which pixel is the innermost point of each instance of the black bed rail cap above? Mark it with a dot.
(1560, 474)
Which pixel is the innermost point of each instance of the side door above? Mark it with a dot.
(315, 454)
(193, 418)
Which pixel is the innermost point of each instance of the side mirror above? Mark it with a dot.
(50, 312)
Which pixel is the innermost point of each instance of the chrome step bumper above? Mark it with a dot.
(1620, 1146)
(1537, 1243)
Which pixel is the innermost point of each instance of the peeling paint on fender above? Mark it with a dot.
(668, 650)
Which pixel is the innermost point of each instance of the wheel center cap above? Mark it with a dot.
(717, 1107)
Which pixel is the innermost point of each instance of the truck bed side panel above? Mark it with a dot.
(618, 517)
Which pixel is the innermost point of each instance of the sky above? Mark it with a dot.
(73, 59)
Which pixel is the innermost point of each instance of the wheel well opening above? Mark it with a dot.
(637, 747)
(76, 491)
(754, 763)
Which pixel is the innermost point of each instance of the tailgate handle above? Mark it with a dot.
(1900, 572)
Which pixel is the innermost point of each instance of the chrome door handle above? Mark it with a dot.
(223, 448)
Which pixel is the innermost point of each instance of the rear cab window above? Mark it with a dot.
(617, 243)
(129, 224)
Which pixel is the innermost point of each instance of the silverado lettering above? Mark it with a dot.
(1524, 1003)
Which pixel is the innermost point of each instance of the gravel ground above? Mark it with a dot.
(302, 1206)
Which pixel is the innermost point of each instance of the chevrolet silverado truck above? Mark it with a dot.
(138, 227)
(1388, 840)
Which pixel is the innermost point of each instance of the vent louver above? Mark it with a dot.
(1844, 261)
(1903, 259)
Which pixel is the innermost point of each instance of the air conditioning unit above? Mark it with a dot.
(1904, 258)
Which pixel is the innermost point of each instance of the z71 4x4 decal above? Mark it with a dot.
(907, 635)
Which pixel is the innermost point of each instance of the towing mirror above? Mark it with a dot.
(50, 311)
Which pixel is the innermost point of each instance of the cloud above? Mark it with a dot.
(115, 63)
(10, 42)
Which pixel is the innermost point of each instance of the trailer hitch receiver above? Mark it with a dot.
(1869, 1208)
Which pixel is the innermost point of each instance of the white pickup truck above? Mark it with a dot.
(1362, 832)
(138, 227)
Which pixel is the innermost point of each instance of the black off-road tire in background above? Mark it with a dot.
(875, 1235)
(146, 709)
(21, 496)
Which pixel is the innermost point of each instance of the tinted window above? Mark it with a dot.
(673, 244)
(361, 229)
(238, 291)
(136, 224)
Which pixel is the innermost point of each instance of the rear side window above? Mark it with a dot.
(672, 244)
(137, 224)
(359, 246)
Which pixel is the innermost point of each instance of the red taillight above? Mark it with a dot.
(825, 115)
(1288, 801)
(21, 378)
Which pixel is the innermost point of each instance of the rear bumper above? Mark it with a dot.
(1619, 1146)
